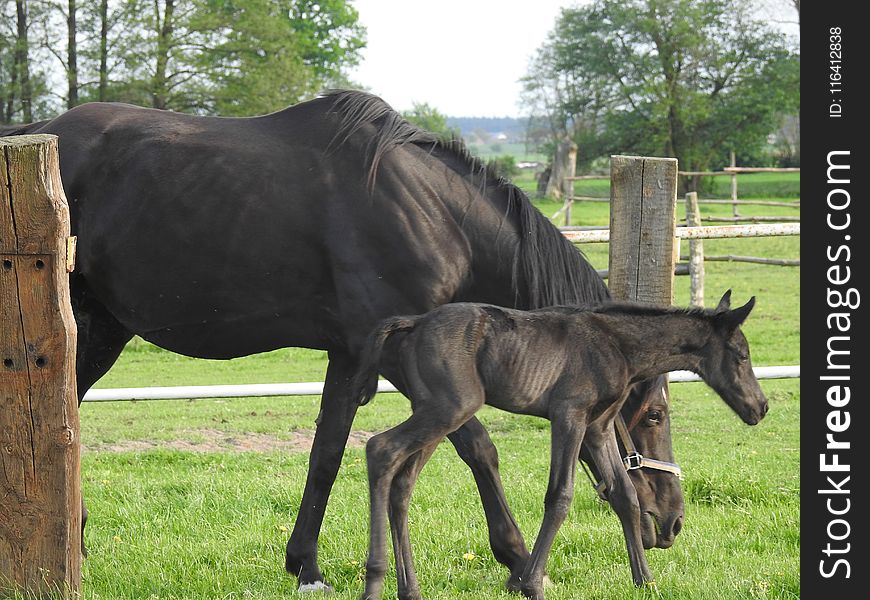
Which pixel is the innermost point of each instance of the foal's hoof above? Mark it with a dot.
(533, 593)
(315, 587)
(514, 583)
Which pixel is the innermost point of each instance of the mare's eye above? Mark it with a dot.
(654, 417)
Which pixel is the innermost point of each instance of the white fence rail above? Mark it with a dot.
(696, 233)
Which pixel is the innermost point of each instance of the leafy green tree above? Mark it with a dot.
(503, 166)
(275, 52)
(678, 78)
(430, 118)
(232, 57)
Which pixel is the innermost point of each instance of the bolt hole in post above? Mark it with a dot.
(7, 264)
(8, 363)
(40, 264)
(41, 361)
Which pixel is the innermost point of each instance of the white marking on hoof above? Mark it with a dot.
(317, 586)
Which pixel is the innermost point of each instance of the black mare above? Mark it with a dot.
(222, 237)
(573, 367)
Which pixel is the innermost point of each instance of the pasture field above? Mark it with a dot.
(196, 499)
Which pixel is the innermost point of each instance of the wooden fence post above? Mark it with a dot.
(568, 181)
(696, 252)
(734, 210)
(40, 488)
(643, 196)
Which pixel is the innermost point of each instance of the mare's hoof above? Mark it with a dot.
(315, 587)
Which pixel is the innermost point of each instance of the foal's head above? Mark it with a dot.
(725, 363)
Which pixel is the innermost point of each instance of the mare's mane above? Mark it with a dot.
(547, 267)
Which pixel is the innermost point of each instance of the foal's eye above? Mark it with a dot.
(654, 417)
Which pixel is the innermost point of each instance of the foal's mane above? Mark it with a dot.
(547, 266)
(642, 310)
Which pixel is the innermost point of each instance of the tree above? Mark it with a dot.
(677, 78)
(232, 57)
(236, 57)
(431, 119)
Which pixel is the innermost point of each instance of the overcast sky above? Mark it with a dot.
(463, 57)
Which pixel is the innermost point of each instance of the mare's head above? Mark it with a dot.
(725, 364)
(646, 414)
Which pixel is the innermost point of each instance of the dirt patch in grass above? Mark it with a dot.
(214, 440)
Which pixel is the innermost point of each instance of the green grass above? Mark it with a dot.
(178, 524)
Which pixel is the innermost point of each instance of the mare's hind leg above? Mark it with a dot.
(337, 410)
(100, 340)
(474, 446)
(622, 496)
(400, 497)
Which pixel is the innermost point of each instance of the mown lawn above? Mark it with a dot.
(205, 520)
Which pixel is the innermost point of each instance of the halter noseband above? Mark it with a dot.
(632, 459)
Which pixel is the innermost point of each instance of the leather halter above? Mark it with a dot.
(632, 459)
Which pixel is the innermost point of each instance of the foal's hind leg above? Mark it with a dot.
(622, 496)
(386, 454)
(400, 497)
(474, 446)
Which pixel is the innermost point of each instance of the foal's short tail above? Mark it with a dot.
(365, 382)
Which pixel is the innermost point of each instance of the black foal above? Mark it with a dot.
(574, 367)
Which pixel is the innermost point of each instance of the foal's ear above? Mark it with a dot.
(724, 303)
(734, 318)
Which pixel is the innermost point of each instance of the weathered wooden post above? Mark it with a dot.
(643, 196)
(696, 252)
(734, 210)
(40, 493)
(568, 181)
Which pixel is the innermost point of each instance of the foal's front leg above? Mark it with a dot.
(622, 496)
(566, 436)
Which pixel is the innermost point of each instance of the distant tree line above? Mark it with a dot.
(229, 57)
(681, 78)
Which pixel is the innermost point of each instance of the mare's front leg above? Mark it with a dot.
(566, 436)
(474, 446)
(337, 410)
(622, 495)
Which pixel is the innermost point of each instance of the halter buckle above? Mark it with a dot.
(633, 461)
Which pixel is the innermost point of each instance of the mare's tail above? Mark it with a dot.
(23, 129)
(365, 382)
